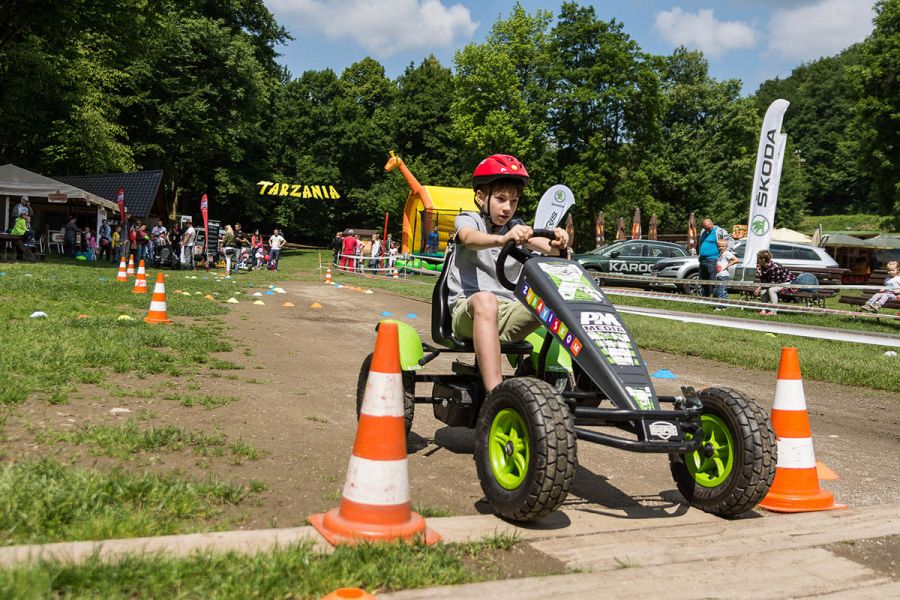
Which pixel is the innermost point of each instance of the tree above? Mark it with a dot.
(878, 107)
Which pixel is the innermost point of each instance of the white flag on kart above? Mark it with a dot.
(553, 205)
(766, 180)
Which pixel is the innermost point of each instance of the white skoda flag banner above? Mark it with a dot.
(766, 179)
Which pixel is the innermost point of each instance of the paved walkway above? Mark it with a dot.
(640, 552)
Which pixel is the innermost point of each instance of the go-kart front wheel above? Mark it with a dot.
(409, 394)
(735, 466)
(525, 449)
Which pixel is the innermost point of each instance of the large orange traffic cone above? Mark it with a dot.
(140, 282)
(796, 486)
(375, 504)
(122, 275)
(131, 265)
(157, 312)
(328, 278)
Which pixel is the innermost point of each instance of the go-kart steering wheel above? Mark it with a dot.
(511, 249)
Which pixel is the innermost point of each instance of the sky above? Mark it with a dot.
(750, 40)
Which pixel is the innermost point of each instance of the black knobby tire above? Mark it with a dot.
(595, 275)
(409, 394)
(754, 456)
(692, 289)
(552, 444)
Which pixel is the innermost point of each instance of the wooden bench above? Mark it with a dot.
(863, 298)
(8, 240)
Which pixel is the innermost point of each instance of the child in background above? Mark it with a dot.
(725, 260)
(891, 290)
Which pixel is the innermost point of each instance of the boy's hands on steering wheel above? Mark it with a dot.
(562, 239)
(518, 234)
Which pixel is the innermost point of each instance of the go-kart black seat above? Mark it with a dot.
(441, 316)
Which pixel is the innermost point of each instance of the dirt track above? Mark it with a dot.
(313, 373)
(297, 399)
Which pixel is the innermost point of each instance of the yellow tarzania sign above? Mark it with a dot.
(298, 190)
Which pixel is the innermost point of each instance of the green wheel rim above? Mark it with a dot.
(713, 470)
(509, 449)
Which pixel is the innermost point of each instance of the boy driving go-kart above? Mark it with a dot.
(574, 357)
(482, 309)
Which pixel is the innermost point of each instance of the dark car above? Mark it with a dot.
(632, 257)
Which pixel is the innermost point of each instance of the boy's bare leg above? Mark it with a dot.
(483, 308)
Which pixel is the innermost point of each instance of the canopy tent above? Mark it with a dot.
(784, 234)
(883, 241)
(52, 201)
(16, 182)
(840, 239)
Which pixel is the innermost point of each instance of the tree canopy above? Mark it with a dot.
(195, 89)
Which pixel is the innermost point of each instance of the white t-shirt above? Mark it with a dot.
(376, 248)
(276, 241)
(190, 236)
(722, 263)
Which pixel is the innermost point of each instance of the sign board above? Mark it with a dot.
(57, 198)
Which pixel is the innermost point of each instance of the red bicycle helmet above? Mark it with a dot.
(499, 166)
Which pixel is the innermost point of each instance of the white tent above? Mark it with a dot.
(784, 234)
(16, 182)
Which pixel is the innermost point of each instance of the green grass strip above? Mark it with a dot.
(43, 501)
(295, 571)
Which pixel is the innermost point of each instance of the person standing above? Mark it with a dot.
(709, 253)
(375, 252)
(70, 237)
(115, 242)
(432, 242)
(337, 244)
(348, 249)
(726, 259)
(104, 234)
(228, 248)
(276, 241)
(187, 245)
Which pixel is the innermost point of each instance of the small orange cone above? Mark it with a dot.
(131, 265)
(140, 282)
(375, 504)
(396, 273)
(349, 594)
(157, 312)
(796, 486)
(328, 276)
(315, 305)
(122, 275)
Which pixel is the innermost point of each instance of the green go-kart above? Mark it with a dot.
(579, 372)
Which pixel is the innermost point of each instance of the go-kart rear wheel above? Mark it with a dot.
(734, 469)
(525, 449)
(409, 394)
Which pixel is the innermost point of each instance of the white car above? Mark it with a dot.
(798, 258)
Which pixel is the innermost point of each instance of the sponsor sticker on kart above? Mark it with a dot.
(610, 336)
(554, 326)
(662, 431)
(641, 396)
(539, 307)
(571, 283)
(576, 347)
(563, 330)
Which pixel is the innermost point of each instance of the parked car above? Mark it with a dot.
(798, 258)
(634, 257)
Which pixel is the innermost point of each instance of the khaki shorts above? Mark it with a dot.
(514, 321)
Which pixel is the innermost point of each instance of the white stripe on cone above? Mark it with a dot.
(377, 482)
(157, 306)
(789, 395)
(384, 395)
(796, 453)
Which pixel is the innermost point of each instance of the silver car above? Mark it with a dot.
(798, 258)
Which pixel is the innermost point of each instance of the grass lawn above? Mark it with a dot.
(825, 360)
(295, 571)
(85, 340)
